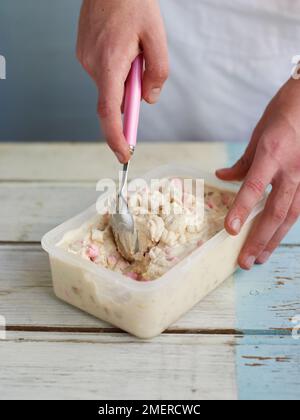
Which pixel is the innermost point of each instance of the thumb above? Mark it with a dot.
(156, 66)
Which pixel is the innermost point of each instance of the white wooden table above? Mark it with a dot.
(237, 343)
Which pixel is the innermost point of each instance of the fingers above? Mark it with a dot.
(290, 220)
(110, 36)
(111, 79)
(111, 89)
(156, 65)
(258, 178)
(273, 216)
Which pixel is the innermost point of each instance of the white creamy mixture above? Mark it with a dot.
(165, 238)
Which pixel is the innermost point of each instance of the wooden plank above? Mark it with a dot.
(268, 368)
(105, 366)
(268, 296)
(293, 237)
(28, 210)
(92, 161)
(262, 300)
(44, 206)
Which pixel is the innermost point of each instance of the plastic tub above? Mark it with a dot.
(145, 309)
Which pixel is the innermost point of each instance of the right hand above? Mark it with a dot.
(111, 34)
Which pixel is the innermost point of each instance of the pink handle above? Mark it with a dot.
(132, 102)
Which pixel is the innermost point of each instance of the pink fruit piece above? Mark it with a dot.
(132, 275)
(92, 251)
(173, 259)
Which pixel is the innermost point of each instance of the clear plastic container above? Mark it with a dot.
(145, 309)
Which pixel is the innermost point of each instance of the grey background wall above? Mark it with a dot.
(46, 96)
(227, 59)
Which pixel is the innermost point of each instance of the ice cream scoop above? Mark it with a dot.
(122, 222)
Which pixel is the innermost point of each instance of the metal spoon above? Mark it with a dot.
(122, 222)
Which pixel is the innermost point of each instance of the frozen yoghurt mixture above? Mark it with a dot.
(165, 237)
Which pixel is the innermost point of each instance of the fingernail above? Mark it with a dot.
(236, 225)
(120, 156)
(263, 257)
(249, 261)
(154, 94)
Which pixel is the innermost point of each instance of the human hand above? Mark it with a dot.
(272, 157)
(111, 34)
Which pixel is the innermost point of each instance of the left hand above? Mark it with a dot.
(272, 157)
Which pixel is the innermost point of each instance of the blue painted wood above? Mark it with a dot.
(267, 300)
(234, 152)
(293, 237)
(268, 296)
(268, 367)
